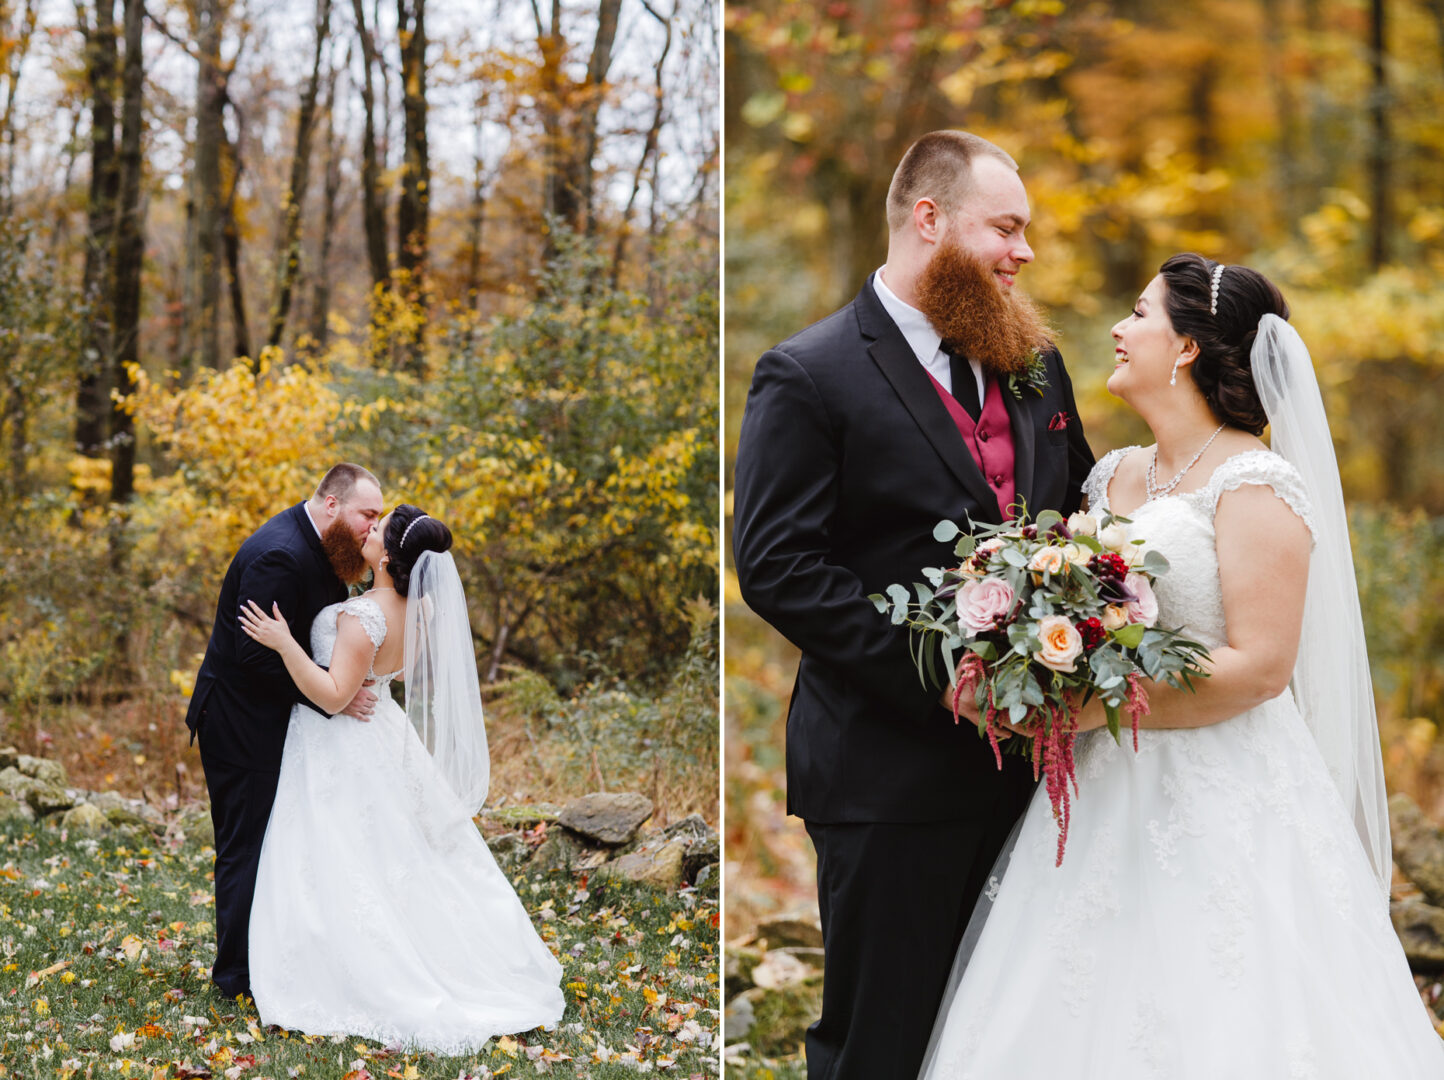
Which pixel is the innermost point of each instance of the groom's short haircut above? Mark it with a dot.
(939, 166)
(341, 480)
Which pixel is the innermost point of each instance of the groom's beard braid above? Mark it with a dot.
(343, 552)
(965, 305)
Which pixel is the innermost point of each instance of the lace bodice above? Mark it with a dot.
(373, 621)
(1181, 527)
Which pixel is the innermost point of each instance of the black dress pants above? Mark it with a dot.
(895, 900)
(240, 808)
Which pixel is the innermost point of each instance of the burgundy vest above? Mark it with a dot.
(990, 439)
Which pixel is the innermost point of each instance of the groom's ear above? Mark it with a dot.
(928, 220)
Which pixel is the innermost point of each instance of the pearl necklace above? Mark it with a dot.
(1150, 478)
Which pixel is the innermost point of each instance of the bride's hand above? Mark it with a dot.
(273, 633)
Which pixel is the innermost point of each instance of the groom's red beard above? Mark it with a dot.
(965, 305)
(343, 552)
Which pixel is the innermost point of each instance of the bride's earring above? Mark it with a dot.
(1173, 378)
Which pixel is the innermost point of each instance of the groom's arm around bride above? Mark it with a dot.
(933, 395)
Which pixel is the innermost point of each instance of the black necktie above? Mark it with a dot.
(965, 383)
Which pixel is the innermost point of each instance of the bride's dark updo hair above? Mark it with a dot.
(1223, 372)
(421, 533)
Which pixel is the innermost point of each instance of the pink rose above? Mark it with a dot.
(1061, 642)
(981, 604)
(1145, 609)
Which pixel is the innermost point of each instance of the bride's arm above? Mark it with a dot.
(331, 690)
(1263, 567)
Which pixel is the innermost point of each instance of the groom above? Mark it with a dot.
(861, 433)
(303, 559)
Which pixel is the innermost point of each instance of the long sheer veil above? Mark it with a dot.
(443, 699)
(1331, 676)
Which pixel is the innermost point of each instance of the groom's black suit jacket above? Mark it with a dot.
(847, 460)
(243, 695)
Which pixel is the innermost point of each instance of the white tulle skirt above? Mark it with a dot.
(379, 910)
(1214, 917)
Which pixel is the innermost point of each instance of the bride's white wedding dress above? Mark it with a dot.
(379, 910)
(1215, 915)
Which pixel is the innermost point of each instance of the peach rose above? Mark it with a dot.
(1115, 616)
(982, 603)
(1062, 644)
(1048, 560)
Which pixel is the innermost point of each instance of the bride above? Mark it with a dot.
(1222, 907)
(379, 910)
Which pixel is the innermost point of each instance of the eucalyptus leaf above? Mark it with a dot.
(944, 531)
(1129, 636)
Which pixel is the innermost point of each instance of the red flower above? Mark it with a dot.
(1092, 632)
(1109, 564)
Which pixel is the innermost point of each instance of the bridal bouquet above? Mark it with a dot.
(1037, 619)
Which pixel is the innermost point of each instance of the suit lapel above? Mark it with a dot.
(894, 357)
(1020, 416)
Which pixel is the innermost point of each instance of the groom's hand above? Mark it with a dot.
(967, 707)
(361, 705)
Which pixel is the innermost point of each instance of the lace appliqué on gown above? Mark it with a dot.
(1215, 914)
(379, 910)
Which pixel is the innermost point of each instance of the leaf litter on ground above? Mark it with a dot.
(106, 945)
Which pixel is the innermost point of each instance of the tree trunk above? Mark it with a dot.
(1380, 151)
(1286, 146)
(321, 281)
(289, 257)
(92, 396)
(232, 168)
(412, 209)
(373, 200)
(478, 210)
(586, 140)
(13, 56)
(649, 148)
(129, 251)
(203, 316)
(552, 47)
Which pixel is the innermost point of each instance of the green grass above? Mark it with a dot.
(767, 1069)
(105, 953)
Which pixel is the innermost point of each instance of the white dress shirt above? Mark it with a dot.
(924, 340)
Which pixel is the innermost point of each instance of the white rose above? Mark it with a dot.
(1081, 524)
(1113, 537)
(1134, 554)
(1077, 554)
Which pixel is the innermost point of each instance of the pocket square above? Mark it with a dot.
(1059, 421)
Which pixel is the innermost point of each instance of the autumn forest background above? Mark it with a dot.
(1304, 138)
(471, 245)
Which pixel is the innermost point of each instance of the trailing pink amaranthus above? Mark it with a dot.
(971, 671)
(1137, 704)
(1053, 758)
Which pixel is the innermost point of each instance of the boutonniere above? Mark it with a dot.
(1034, 376)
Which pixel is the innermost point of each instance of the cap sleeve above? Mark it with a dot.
(1265, 468)
(369, 614)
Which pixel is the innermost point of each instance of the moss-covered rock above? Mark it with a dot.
(1420, 927)
(607, 818)
(779, 1017)
(657, 867)
(741, 959)
(509, 849)
(13, 810)
(1418, 847)
(511, 818)
(42, 769)
(85, 819)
